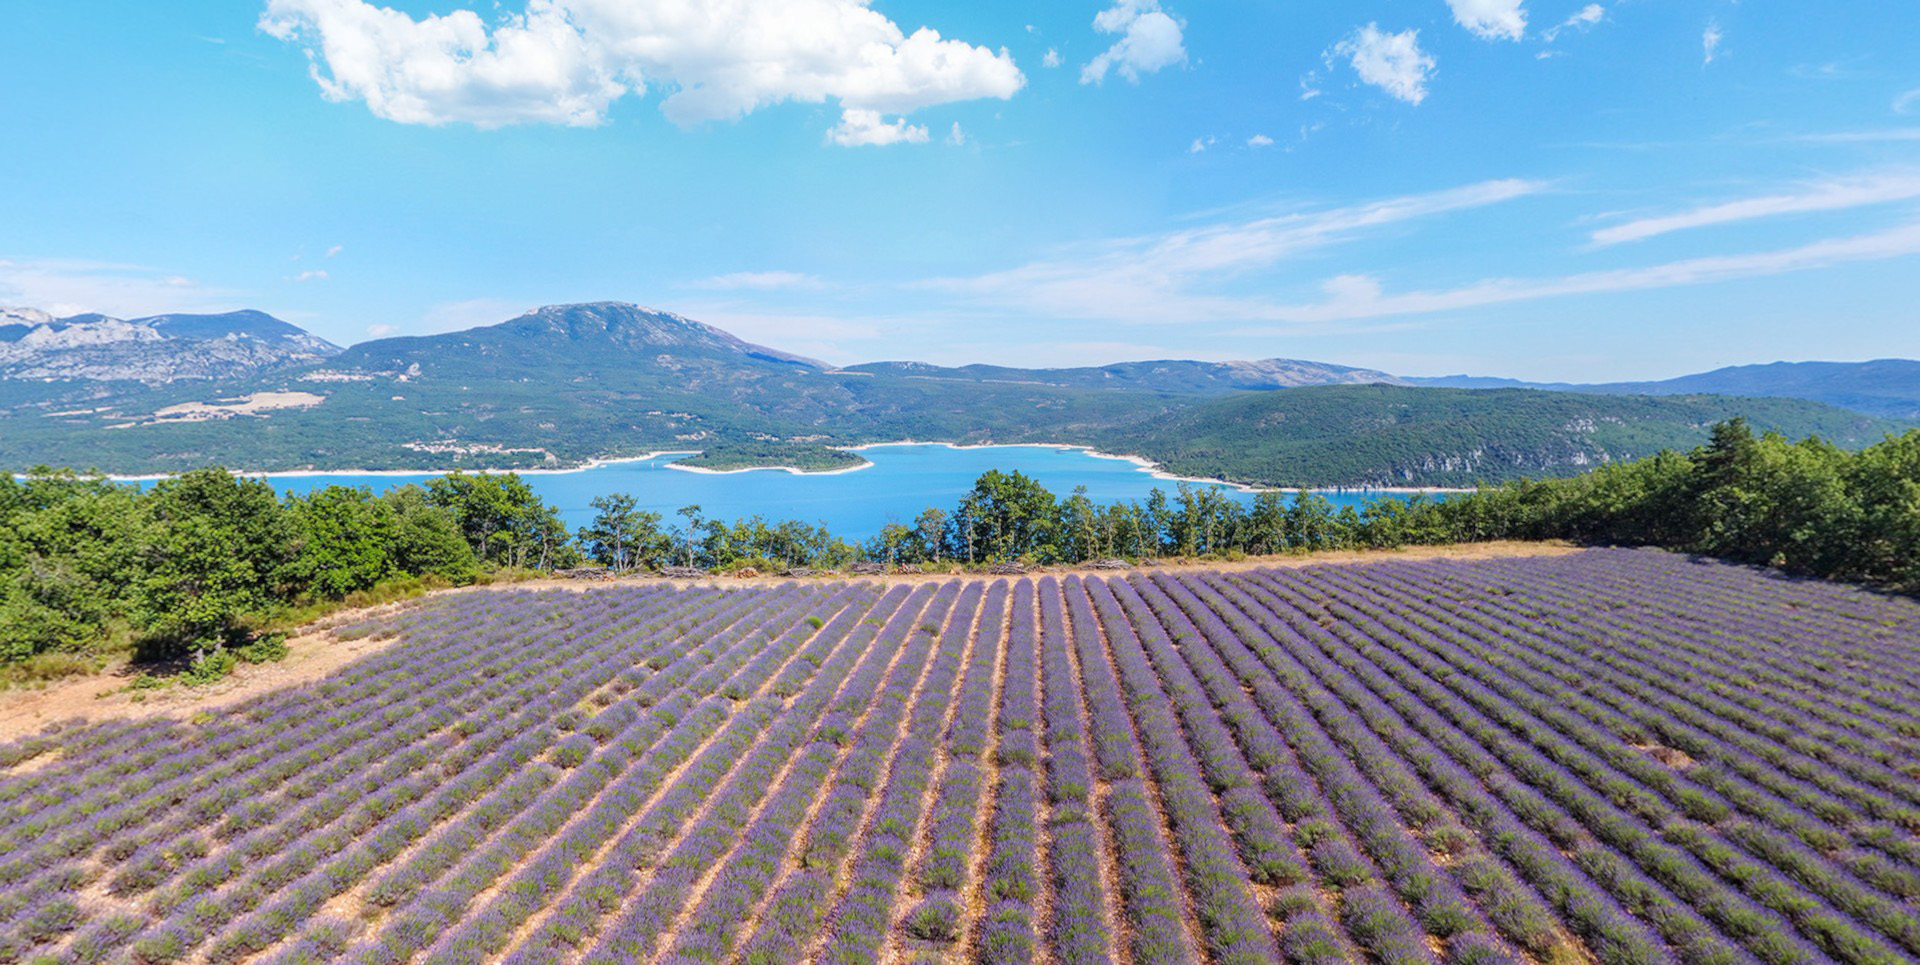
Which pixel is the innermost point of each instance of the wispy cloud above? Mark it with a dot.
(73, 286)
(1862, 137)
(1352, 298)
(468, 313)
(1907, 101)
(1582, 19)
(1157, 278)
(1832, 195)
(1710, 42)
(759, 281)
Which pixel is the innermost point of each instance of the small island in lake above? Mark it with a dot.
(806, 457)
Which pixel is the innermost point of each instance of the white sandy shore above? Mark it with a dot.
(587, 466)
(704, 471)
(1140, 463)
(1151, 468)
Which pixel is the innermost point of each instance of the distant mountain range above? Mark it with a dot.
(153, 350)
(568, 383)
(1889, 388)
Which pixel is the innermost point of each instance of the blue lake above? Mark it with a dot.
(903, 481)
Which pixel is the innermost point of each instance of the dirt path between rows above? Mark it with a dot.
(314, 652)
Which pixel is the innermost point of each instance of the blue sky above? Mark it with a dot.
(1548, 190)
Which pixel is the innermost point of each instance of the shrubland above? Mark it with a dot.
(205, 562)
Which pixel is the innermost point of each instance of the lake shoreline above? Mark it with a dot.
(1141, 464)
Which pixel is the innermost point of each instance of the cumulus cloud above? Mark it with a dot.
(1052, 59)
(1259, 140)
(1392, 62)
(566, 61)
(1583, 18)
(1491, 19)
(862, 128)
(1201, 143)
(1150, 39)
(1832, 195)
(1710, 42)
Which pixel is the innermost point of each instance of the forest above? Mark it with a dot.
(205, 567)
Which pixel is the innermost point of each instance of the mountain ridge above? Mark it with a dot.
(564, 385)
(35, 345)
(1888, 387)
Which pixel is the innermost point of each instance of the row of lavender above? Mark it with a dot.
(1618, 755)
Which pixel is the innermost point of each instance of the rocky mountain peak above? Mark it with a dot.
(162, 348)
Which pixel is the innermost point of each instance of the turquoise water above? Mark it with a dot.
(903, 481)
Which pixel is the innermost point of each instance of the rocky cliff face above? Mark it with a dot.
(164, 348)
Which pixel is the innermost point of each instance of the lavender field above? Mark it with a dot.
(1616, 756)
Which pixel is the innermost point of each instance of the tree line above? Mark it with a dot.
(201, 563)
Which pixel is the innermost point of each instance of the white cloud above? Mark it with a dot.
(336, 249)
(860, 128)
(311, 274)
(1392, 62)
(566, 61)
(1201, 143)
(380, 331)
(1832, 195)
(1491, 19)
(1710, 42)
(759, 281)
(1150, 39)
(1154, 278)
(1259, 140)
(1583, 18)
(1052, 59)
(1906, 102)
(72, 287)
(1310, 85)
(956, 136)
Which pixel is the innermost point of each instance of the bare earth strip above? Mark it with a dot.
(857, 845)
(1117, 924)
(891, 952)
(314, 652)
(973, 900)
(790, 863)
(1043, 910)
(667, 785)
(1195, 936)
